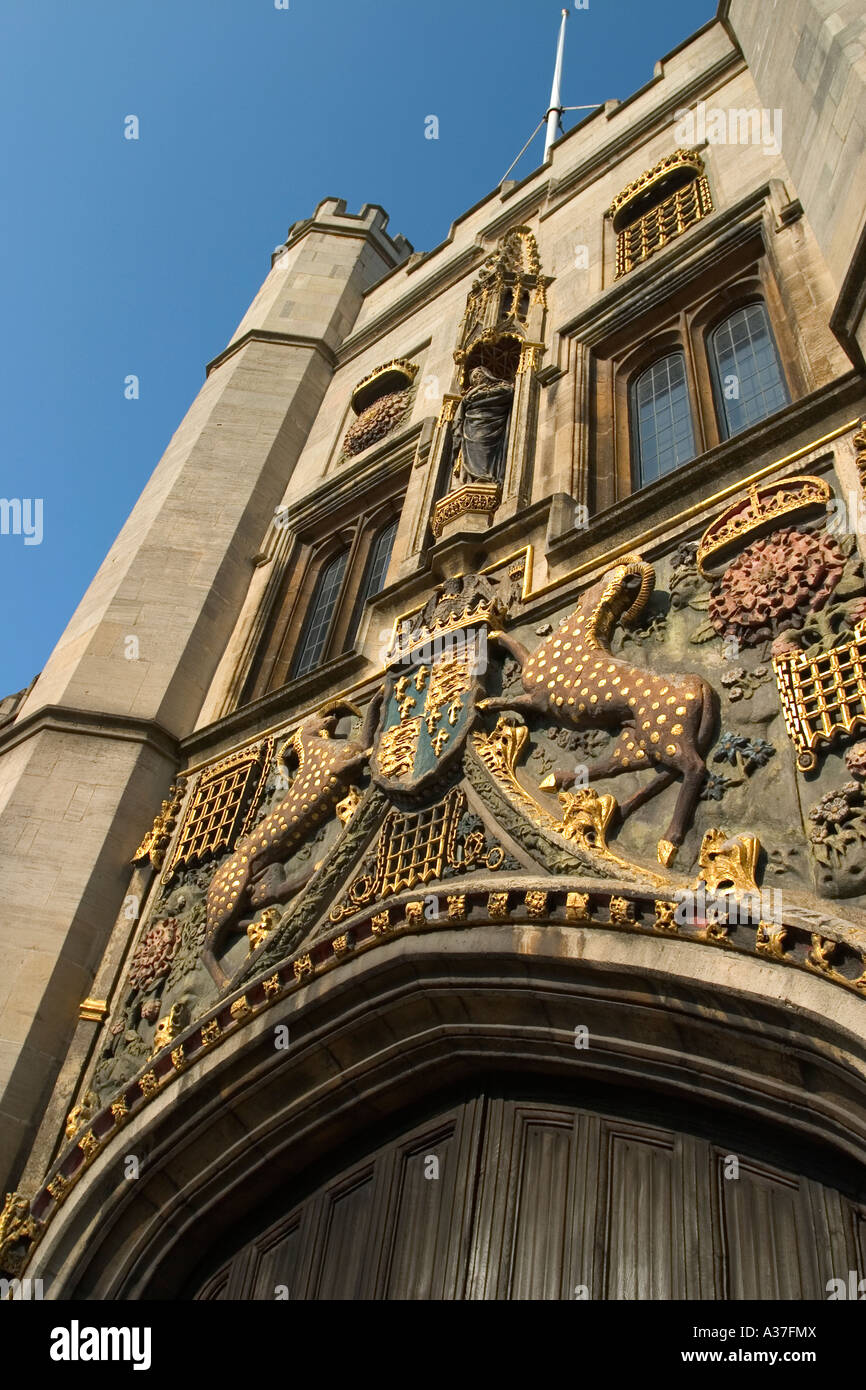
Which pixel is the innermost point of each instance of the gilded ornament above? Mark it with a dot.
(715, 930)
(18, 1230)
(221, 806)
(380, 401)
(760, 509)
(178, 1058)
(259, 930)
(58, 1187)
(303, 967)
(395, 753)
(822, 951)
(158, 838)
(349, 805)
(586, 816)
(770, 939)
(271, 986)
(414, 914)
(859, 441)
(89, 1145)
(211, 1033)
(500, 752)
(240, 1009)
(76, 1117)
(641, 230)
(621, 910)
(149, 1084)
(577, 907)
(728, 862)
(824, 696)
(457, 907)
(471, 497)
(93, 1010)
(536, 902)
(497, 906)
(665, 916)
(120, 1111)
(162, 1034)
(341, 945)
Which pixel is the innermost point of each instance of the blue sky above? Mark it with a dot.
(139, 257)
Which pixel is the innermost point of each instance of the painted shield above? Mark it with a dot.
(428, 709)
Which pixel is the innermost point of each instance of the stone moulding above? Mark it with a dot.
(535, 902)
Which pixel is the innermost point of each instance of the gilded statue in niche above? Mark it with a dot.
(663, 722)
(480, 428)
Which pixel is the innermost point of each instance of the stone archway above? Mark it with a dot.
(747, 1040)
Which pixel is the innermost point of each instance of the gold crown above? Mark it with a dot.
(422, 628)
(759, 511)
(681, 162)
(391, 376)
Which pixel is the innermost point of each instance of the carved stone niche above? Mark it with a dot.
(380, 402)
(501, 334)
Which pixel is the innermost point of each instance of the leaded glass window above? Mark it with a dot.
(319, 614)
(374, 576)
(662, 435)
(749, 381)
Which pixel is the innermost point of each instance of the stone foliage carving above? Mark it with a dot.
(837, 840)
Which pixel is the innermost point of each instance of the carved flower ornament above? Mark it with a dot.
(155, 954)
(833, 810)
(378, 420)
(855, 760)
(774, 584)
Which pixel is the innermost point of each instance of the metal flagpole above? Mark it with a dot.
(554, 111)
(553, 114)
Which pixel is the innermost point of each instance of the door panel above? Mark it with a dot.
(504, 1197)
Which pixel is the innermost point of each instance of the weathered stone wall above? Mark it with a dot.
(808, 59)
(77, 792)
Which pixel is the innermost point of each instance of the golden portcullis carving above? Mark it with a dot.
(823, 696)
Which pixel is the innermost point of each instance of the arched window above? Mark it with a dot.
(319, 614)
(661, 419)
(748, 376)
(374, 576)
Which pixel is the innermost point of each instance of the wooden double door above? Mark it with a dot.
(504, 1195)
